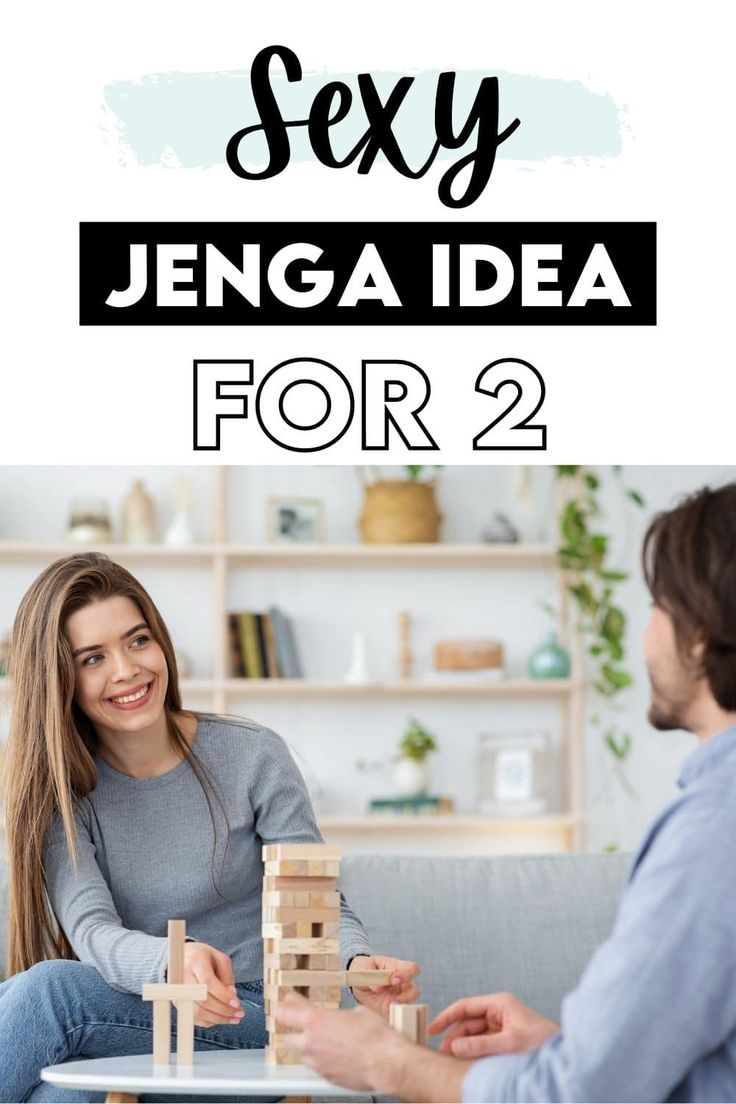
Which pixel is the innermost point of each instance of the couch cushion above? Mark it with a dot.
(525, 924)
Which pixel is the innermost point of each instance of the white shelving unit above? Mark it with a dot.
(560, 832)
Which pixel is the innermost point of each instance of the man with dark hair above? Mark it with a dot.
(654, 1015)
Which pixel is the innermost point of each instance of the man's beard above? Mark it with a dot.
(668, 715)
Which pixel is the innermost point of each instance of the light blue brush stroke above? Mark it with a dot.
(193, 116)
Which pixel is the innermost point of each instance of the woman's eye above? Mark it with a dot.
(93, 660)
(140, 641)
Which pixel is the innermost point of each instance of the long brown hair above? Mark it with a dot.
(689, 558)
(51, 744)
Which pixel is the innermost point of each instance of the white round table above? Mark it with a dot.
(215, 1072)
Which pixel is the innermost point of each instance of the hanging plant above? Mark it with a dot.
(584, 553)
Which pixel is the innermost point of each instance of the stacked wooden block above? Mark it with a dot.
(301, 936)
(301, 930)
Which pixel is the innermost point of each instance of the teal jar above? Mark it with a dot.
(549, 661)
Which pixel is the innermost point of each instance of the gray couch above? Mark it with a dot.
(526, 924)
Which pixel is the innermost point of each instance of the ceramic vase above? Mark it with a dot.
(549, 660)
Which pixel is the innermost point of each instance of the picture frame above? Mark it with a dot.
(292, 520)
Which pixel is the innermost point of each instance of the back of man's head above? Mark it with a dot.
(689, 558)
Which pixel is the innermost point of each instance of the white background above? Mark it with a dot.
(661, 394)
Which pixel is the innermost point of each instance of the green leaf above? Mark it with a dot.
(414, 470)
(614, 624)
(592, 481)
(584, 596)
(599, 543)
(610, 847)
(636, 497)
(615, 677)
(615, 576)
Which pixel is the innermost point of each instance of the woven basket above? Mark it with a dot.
(400, 511)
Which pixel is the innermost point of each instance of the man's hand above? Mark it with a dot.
(380, 997)
(493, 1024)
(210, 967)
(349, 1048)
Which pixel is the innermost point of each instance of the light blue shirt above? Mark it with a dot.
(654, 1015)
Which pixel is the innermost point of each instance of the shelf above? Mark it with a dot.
(391, 555)
(309, 688)
(449, 823)
(17, 551)
(306, 555)
(312, 688)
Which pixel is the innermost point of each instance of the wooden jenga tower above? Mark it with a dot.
(174, 991)
(301, 935)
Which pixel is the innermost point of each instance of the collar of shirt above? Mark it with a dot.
(712, 754)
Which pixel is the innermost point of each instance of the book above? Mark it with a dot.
(261, 645)
(269, 645)
(287, 656)
(421, 805)
(250, 645)
(236, 668)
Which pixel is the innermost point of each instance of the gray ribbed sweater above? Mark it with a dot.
(145, 856)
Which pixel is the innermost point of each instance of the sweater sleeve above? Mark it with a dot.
(85, 910)
(283, 814)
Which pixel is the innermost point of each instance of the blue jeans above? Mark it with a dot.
(58, 1011)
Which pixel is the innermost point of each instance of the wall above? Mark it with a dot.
(328, 737)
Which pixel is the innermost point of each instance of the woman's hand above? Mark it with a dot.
(493, 1024)
(381, 997)
(207, 966)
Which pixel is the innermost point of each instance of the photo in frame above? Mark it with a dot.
(295, 520)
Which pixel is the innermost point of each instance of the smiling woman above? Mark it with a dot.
(124, 811)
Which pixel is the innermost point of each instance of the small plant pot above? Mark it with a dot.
(411, 777)
(400, 511)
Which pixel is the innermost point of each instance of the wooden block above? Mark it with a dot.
(273, 993)
(161, 1032)
(317, 962)
(126, 1098)
(303, 978)
(324, 900)
(302, 946)
(299, 899)
(305, 915)
(281, 961)
(273, 1027)
(177, 939)
(321, 851)
(290, 931)
(272, 882)
(324, 995)
(410, 1020)
(185, 1033)
(282, 1057)
(301, 868)
(164, 991)
(362, 979)
(345, 978)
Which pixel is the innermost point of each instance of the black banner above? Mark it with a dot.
(367, 273)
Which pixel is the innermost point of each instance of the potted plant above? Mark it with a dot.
(411, 772)
(400, 511)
